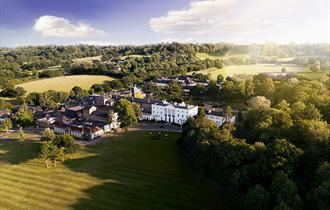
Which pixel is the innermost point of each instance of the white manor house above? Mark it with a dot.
(177, 113)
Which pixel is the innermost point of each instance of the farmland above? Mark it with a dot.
(87, 59)
(250, 69)
(213, 56)
(128, 172)
(64, 83)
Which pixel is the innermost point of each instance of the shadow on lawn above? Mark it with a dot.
(134, 179)
(13, 152)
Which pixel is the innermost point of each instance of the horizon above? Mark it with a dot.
(113, 23)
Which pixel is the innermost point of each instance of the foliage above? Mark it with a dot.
(21, 135)
(257, 198)
(5, 125)
(66, 142)
(258, 102)
(126, 113)
(48, 134)
(24, 116)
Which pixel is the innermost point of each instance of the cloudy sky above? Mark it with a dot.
(30, 22)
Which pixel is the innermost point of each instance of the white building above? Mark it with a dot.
(218, 117)
(177, 113)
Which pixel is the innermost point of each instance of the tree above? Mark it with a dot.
(137, 110)
(49, 151)
(126, 114)
(264, 87)
(310, 132)
(228, 114)
(285, 191)
(219, 78)
(48, 134)
(201, 112)
(45, 151)
(77, 92)
(281, 155)
(174, 91)
(258, 102)
(66, 142)
(24, 116)
(257, 198)
(284, 106)
(21, 135)
(320, 191)
(7, 124)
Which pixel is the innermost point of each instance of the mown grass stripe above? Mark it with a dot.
(37, 187)
(41, 194)
(54, 179)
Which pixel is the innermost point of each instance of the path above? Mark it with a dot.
(163, 127)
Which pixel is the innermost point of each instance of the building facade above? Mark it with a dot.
(177, 113)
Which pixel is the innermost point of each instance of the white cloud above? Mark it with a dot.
(242, 18)
(60, 27)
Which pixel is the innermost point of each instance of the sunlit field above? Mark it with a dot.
(87, 59)
(131, 171)
(64, 83)
(250, 69)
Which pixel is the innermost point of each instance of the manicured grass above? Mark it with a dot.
(250, 69)
(87, 59)
(64, 83)
(312, 75)
(128, 172)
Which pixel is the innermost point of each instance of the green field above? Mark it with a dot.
(64, 83)
(87, 59)
(128, 172)
(214, 56)
(250, 69)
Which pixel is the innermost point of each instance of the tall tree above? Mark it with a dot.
(126, 114)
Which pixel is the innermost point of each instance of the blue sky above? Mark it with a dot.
(40, 22)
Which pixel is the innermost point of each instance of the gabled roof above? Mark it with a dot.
(69, 114)
(4, 112)
(75, 108)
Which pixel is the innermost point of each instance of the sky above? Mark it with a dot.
(120, 22)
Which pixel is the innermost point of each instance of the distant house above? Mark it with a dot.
(34, 108)
(218, 117)
(96, 100)
(4, 114)
(100, 114)
(82, 130)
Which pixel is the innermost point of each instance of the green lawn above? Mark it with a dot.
(64, 83)
(214, 56)
(250, 69)
(129, 172)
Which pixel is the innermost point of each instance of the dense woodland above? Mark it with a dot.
(277, 155)
(23, 63)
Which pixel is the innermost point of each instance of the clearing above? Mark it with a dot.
(214, 56)
(87, 59)
(130, 171)
(64, 83)
(250, 69)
